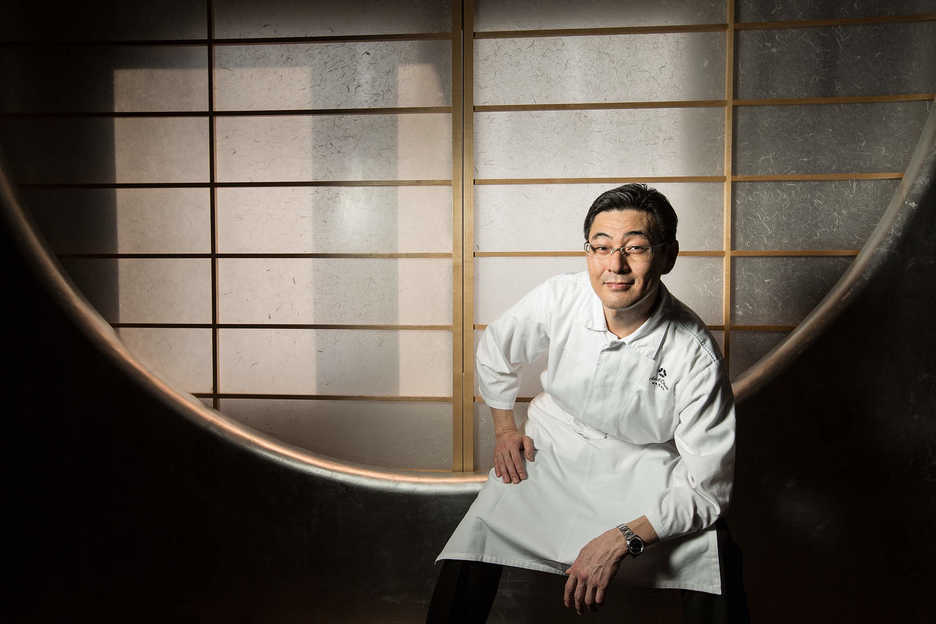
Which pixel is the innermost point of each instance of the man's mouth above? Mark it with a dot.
(619, 285)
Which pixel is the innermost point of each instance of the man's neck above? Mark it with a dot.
(625, 322)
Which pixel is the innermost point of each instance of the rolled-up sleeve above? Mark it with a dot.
(705, 439)
(516, 338)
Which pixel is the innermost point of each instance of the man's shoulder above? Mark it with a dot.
(690, 332)
(567, 285)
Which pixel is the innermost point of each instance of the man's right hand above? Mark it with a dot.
(510, 450)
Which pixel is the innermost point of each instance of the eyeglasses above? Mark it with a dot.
(634, 251)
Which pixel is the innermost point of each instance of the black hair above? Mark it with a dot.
(638, 197)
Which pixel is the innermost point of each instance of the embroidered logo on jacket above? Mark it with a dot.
(659, 380)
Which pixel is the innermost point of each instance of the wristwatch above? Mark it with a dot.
(635, 544)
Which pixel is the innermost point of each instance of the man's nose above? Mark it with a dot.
(618, 262)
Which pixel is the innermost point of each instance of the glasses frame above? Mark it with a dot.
(623, 250)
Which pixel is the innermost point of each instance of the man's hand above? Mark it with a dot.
(593, 570)
(511, 448)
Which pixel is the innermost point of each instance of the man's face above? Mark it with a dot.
(621, 281)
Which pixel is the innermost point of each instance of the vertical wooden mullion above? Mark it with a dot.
(467, 176)
(728, 187)
(212, 190)
(457, 230)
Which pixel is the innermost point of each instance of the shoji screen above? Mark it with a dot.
(305, 212)
(569, 103)
(258, 196)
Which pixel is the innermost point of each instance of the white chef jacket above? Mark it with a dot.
(641, 425)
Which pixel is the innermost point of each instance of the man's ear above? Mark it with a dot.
(672, 250)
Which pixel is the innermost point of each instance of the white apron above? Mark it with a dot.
(581, 484)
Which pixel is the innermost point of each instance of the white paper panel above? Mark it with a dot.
(346, 147)
(161, 150)
(316, 18)
(180, 356)
(618, 68)
(97, 150)
(334, 75)
(534, 14)
(389, 434)
(351, 290)
(501, 282)
(144, 290)
(350, 362)
(550, 217)
(123, 220)
(484, 434)
(335, 220)
(698, 282)
(104, 78)
(599, 143)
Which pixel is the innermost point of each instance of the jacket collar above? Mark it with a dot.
(648, 338)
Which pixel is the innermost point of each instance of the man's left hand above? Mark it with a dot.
(593, 570)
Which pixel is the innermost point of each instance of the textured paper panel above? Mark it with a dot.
(180, 356)
(389, 434)
(599, 143)
(145, 290)
(808, 215)
(403, 291)
(372, 74)
(122, 220)
(348, 362)
(123, 150)
(537, 14)
(831, 138)
(345, 147)
(878, 59)
(325, 18)
(758, 11)
(335, 220)
(618, 68)
(780, 291)
(104, 79)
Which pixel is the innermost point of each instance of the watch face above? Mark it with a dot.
(635, 546)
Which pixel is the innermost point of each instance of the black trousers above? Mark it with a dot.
(466, 590)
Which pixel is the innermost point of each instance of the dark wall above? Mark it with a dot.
(836, 482)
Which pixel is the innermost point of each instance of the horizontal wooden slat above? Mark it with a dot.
(618, 30)
(342, 326)
(229, 41)
(261, 256)
(817, 177)
(489, 108)
(277, 184)
(321, 397)
(616, 180)
(793, 252)
(844, 21)
(856, 99)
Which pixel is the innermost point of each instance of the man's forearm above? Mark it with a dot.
(503, 420)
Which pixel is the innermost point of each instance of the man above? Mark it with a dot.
(630, 446)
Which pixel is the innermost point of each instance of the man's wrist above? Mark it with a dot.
(635, 545)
